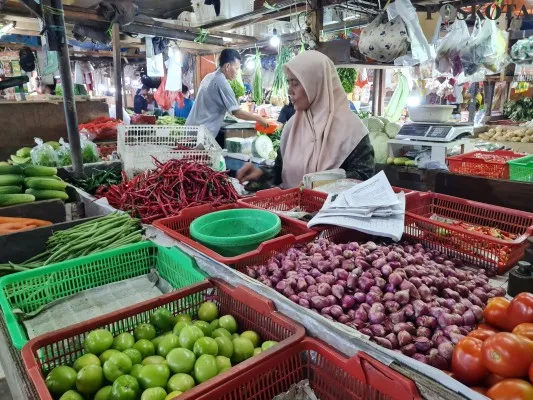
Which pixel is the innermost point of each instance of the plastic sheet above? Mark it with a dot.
(449, 48)
(64, 156)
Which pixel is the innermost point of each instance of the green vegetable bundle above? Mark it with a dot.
(257, 93)
(519, 111)
(237, 85)
(106, 233)
(97, 179)
(348, 77)
(280, 88)
(168, 120)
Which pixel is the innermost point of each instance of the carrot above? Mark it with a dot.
(37, 222)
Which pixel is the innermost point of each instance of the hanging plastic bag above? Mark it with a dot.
(64, 155)
(487, 50)
(384, 39)
(89, 151)
(449, 48)
(174, 83)
(420, 48)
(43, 154)
(165, 99)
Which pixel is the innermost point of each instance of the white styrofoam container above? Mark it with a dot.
(431, 113)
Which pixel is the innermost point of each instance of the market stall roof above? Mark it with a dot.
(151, 8)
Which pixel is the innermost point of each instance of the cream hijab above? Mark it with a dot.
(322, 137)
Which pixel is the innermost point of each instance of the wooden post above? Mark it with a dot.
(318, 18)
(117, 64)
(378, 93)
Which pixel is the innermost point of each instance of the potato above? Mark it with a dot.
(483, 136)
(492, 132)
(525, 140)
(529, 132)
(516, 139)
(499, 129)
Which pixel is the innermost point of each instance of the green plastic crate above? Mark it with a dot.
(521, 169)
(31, 290)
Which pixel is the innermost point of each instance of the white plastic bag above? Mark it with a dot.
(43, 154)
(155, 66)
(174, 83)
(449, 48)
(420, 48)
(64, 155)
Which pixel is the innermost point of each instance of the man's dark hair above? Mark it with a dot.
(145, 88)
(184, 89)
(228, 56)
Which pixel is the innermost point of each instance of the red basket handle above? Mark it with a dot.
(244, 295)
(387, 380)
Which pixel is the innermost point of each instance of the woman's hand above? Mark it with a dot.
(249, 173)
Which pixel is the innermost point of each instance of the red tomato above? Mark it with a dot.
(487, 327)
(467, 363)
(479, 389)
(493, 379)
(481, 334)
(520, 310)
(525, 330)
(507, 355)
(496, 312)
(511, 389)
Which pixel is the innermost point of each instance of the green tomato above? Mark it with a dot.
(268, 344)
(98, 341)
(86, 359)
(173, 395)
(257, 351)
(145, 347)
(189, 335)
(162, 319)
(179, 327)
(154, 360)
(71, 395)
(155, 375)
(252, 336)
(204, 326)
(117, 365)
(61, 379)
(180, 383)
(183, 317)
(225, 346)
(208, 311)
(205, 345)
(135, 370)
(155, 341)
(125, 387)
(243, 349)
(221, 332)
(106, 355)
(235, 336)
(134, 355)
(167, 343)
(205, 368)
(223, 363)
(214, 324)
(181, 360)
(228, 323)
(154, 394)
(90, 379)
(104, 393)
(144, 331)
(123, 341)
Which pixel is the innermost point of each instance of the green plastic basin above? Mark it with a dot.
(234, 232)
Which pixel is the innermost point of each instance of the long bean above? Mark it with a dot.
(109, 232)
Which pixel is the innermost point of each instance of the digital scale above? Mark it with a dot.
(435, 132)
(437, 140)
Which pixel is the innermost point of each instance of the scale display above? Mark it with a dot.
(434, 132)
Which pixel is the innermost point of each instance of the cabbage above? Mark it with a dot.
(384, 120)
(380, 142)
(392, 129)
(375, 124)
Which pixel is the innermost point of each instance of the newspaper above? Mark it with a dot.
(299, 391)
(92, 303)
(371, 207)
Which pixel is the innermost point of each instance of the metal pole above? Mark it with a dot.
(117, 61)
(69, 101)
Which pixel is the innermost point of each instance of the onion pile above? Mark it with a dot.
(404, 297)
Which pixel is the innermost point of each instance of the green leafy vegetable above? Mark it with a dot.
(258, 80)
(519, 111)
(280, 88)
(348, 77)
(237, 85)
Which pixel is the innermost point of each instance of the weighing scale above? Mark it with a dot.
(438, 138)
(435, 132)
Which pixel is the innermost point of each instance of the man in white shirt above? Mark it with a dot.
(215, 97)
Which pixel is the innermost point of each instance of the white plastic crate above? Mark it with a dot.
(138, 144)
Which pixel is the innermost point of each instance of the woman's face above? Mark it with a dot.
(297, 93)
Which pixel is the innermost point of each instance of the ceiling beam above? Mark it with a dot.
(269, 17)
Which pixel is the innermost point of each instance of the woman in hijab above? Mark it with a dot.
(323, 134)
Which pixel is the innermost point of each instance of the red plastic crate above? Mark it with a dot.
(493, 254)
(285, 200)
(177, 227)
(490, 164)
(251, 311)
(331, 375)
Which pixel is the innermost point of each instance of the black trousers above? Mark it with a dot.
(221, 138)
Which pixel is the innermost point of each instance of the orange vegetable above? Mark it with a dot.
(272, 127)
(11, 225)
(37, 222)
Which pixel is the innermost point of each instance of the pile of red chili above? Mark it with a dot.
(168, 189)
